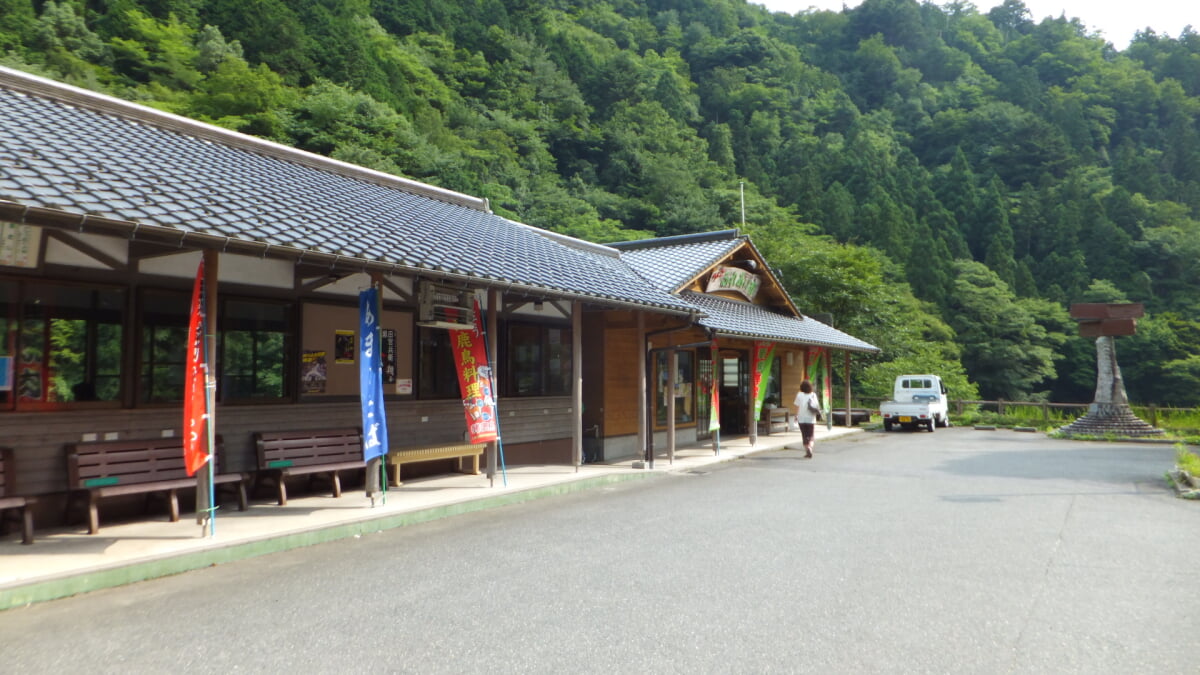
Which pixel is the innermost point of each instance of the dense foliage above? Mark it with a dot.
(942, 180)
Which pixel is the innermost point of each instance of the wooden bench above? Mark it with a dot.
(424, 453)
(773, 417)
(308, 452)
(136, 466)
(10, 501)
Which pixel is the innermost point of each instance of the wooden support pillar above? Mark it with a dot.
(374, 482)
(829, 380)
(751, 423)
(642, 405)
(577, 383)
(204, 476)
(849, 416)
(493, 327)
(672, 370)
(716, 384)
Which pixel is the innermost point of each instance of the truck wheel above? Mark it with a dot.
(887, 425)
(931, 424)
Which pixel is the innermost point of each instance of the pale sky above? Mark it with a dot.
(1118, 20)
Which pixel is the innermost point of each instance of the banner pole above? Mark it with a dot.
(487, 349)
(209, 396)
(375, 442)
(377, 282)
(212, 264)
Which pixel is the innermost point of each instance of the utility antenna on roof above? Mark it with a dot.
(742, 190)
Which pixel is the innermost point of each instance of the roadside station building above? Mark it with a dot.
(107, 208)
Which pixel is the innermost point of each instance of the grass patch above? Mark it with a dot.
(1181, 425)
(1019, 417)
(1187, 460)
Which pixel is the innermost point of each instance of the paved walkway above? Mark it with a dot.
(67, 561)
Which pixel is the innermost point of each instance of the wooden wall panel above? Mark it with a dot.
(39, 439)
(621, 381)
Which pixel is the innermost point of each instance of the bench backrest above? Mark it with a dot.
(6, 463)
(281, 449)
(125, 462)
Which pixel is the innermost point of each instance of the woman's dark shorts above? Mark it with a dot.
(806, 431)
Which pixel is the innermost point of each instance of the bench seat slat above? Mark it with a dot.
(9, 501)
(425, 453)
(312, 451)
(133, 466)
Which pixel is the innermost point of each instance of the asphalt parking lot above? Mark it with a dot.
(957, 551)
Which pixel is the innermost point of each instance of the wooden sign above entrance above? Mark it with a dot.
(734, 279)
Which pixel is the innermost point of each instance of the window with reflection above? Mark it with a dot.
(685, 394)
(8, 341)
(163, 355)
(437, 376)
(254, 343)
(69, 344)
(537, 360)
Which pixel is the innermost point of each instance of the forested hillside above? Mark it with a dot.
(943, 181)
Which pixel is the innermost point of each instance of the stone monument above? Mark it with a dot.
(1109, 412)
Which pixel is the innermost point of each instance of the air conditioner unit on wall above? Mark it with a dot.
(441, 306)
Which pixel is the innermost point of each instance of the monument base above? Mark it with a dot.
(1104, 419)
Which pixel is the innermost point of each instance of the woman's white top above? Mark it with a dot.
(803, 414)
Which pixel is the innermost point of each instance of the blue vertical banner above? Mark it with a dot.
(370, 376)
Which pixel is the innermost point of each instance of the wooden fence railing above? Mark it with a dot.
(1150, 413)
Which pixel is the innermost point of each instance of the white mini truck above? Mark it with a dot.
(918, 401)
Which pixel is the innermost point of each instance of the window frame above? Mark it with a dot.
(24, 290)
(552, 375)
(690, 370)
(288, 359)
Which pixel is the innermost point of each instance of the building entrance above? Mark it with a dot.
(733, 375)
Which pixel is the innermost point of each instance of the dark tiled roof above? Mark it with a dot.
(743, 319)
(671, 262)
(93, 158)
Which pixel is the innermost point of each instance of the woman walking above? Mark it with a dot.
(808, 407)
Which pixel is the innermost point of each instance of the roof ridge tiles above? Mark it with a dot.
(28, 84)
(675, 240)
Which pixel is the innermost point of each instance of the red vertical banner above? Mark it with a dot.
(827, 389)
(764, 356)
(475, 381)
(195, 399)
(813, 365)
(818, 375)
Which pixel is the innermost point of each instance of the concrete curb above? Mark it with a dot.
(167, 565)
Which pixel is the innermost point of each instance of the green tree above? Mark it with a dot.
(1005, 350)
(17, 20)
(66, 42)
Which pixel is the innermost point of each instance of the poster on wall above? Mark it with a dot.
(404, 386)
(389, 355)
(20, 245)
(343, 346)
(313, 374)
